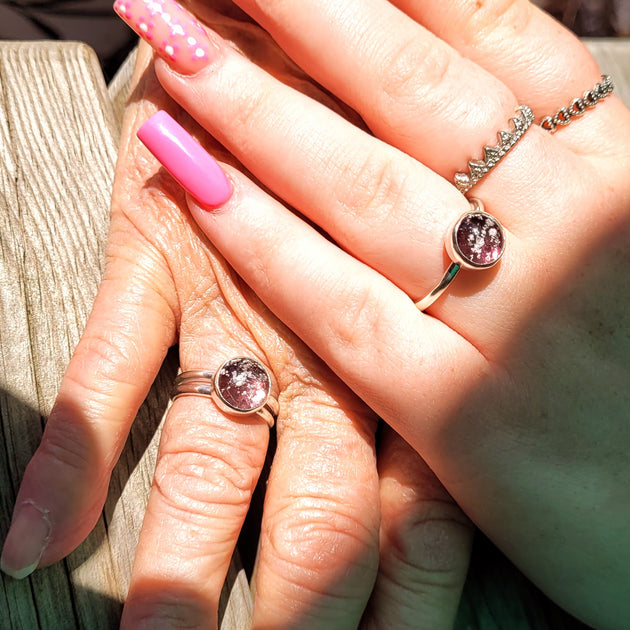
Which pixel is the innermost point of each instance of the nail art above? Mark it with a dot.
(186, 160)
(171, 31)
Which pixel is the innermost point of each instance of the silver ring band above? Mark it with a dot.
(476, 241)
(493, 155)
(579, 105)
(242, 386)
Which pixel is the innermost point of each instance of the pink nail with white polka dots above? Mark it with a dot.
(171, 30)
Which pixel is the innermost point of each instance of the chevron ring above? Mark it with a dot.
(493, 155)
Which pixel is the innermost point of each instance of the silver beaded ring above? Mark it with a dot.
(579, 105)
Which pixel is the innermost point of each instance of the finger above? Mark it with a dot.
(425, 544)
(347, 207)
(249, 103)
(542, 62)
(398, 78)
(352, 196)
(362, 304)
(208, 462)
(318, 552)
(129, 331)
(217, 519)
(356, 307)
(111, 371)
(413, 90)
(207, 468)
(158, 134)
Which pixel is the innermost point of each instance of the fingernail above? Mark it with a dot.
(171, 31)
(186, 160)
(26, 541)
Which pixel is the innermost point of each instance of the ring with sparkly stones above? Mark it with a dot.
(476, 241)
(493, 155)
(241, 387)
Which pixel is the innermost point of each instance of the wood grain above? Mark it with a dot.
(56, 183)
(613, 56)
(59, 130)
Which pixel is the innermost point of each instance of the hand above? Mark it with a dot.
(320, 538)
(513, 385)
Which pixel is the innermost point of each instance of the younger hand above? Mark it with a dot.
(513, 385)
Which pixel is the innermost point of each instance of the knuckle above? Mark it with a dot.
(164, 608)
(426, 532)
(314, 534)
(315, 408)
(66, 444)
(372, 188)
(487, 16)
(111, 354)
(432, 540)
(202, 302)
(438, 558)
(354, 328)
(194, 482)
(415, 68)
(253, 110)
(258, 270)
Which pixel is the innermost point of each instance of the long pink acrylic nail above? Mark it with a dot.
(171, 30)
(186, 160)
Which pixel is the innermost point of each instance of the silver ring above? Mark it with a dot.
(476, 241)
(493, 155)
(579, 105)
(242, 386)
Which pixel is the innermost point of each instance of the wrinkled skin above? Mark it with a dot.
(328, 511)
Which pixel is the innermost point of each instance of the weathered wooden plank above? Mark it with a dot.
(58, 150)
(613, 56)
(120, 85)
(59, 130)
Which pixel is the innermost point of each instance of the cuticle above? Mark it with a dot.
(208, 67)
(45, 512)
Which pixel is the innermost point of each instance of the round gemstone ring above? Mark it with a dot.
(242, 386)
(476, 241)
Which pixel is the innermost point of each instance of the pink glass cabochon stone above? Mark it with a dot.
(243, 384)
(479, 239)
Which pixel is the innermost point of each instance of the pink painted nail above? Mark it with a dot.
(186, 160)
(171, 30)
